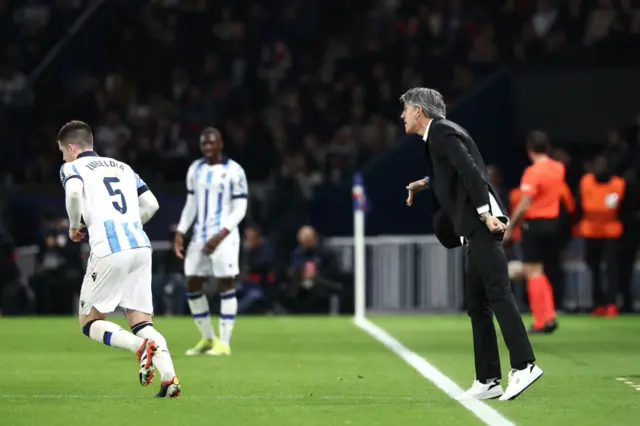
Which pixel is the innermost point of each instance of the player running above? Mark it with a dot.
(114, 203)
(217, 201)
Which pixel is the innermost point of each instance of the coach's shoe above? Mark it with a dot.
(520, 380)
(479, 390)
(145, 354)
(200, 348)
(220, 349)
(170, 389)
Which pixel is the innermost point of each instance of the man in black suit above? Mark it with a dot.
(468, 212)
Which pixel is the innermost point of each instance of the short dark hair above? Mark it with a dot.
(538, 142)
(76, 132)
(208, 130)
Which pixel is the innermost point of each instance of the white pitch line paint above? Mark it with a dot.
(484, 412)
(628, 382)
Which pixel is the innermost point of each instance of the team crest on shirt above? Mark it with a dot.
(611, 200)
(242, 184)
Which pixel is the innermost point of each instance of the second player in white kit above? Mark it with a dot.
(216, 204)
(114, 203)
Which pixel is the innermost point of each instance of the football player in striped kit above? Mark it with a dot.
(114, 203)
(217, 202)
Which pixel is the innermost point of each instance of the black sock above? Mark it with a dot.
(521, 366)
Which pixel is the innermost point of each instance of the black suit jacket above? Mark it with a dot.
(458, 180)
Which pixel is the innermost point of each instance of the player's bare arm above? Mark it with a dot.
(213, 242)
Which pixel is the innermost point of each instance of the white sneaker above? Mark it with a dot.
(479, 390)
(519, 380)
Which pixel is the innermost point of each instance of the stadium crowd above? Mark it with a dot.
(304, 92)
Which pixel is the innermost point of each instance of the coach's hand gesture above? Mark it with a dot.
(414, 187)
(178, 245)
(494, 224)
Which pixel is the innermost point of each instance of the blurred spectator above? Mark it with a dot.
(267, 78)
(168, 282)
(256, 289)
(59, 271)
(616, 152)
(9, 273)
(313, 274)
(495, 178)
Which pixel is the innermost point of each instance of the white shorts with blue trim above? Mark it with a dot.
(119, 279)
(222, 263)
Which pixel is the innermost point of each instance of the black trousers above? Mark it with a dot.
(488, 292)
(600, 250)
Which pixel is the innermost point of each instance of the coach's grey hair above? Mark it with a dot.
(429, 100)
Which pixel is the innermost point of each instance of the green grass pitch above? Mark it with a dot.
(308, 371)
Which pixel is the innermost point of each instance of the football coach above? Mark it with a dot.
(467, 212)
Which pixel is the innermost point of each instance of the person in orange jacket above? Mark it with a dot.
(600, 196)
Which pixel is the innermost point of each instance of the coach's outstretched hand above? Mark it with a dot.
(76, 234)
(178, 245)
(414, 187)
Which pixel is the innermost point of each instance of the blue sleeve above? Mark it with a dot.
(68, 171)
(141, 185)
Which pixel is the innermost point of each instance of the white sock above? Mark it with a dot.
(112, 334)
(162, 359)
(228, 311)
(199, 306)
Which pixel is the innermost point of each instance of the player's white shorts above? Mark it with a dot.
(119, 279)
(222, 263)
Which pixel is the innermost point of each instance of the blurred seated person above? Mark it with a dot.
(168, 281)
(9, 272)
(59, 274)
(255, 293)
(313, 274)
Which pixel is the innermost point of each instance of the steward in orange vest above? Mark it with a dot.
(600, 196)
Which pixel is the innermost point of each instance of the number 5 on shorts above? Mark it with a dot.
(122, 205)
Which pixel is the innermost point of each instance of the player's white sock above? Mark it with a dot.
(162, 359)
(228, 311)
(199, 306)
(112, 334)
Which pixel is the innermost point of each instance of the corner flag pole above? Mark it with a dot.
(359, 207)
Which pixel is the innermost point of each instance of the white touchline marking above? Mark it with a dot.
(481, 410)
(626, 381)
